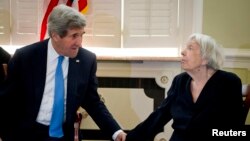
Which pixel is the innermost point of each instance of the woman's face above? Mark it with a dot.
(191, 57)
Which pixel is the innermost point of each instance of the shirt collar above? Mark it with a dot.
(52, 54)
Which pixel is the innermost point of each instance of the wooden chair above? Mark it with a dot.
(5, 69)
(246, 99)
(77, 126)
(4, 59)
(3, 72)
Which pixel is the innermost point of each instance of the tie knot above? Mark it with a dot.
(60, 59)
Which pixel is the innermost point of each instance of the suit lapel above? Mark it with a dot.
(39, 73)
(73, 72)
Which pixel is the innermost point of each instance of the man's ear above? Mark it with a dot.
(55, 36)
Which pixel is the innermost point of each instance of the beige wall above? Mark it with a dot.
(228, 21)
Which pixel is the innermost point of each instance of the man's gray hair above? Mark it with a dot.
(63, 18)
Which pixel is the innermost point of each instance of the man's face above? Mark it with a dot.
(70, 44)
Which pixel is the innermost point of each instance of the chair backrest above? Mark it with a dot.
(246, 99)
(3, 72)
(5, 69)
(77, 125)
(4, 59)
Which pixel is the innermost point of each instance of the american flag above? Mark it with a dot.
(81, 5)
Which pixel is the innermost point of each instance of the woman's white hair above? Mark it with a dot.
(210, 50)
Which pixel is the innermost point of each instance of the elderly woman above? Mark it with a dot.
(203, 101)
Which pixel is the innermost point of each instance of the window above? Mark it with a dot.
(4, 22)
(110, 23)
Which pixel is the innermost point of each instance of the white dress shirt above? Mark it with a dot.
(45, 112)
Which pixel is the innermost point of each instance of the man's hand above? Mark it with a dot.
(121, 136)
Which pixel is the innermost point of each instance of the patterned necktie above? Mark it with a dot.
(56, 123)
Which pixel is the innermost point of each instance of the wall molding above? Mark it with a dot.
(237, 58)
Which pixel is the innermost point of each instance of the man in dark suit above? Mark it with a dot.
(31, 82)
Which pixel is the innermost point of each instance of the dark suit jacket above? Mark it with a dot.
(26, 82)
